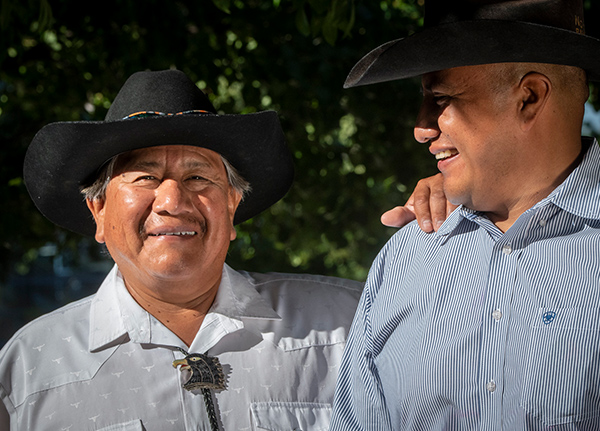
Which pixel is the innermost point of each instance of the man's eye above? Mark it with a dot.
(441, 100)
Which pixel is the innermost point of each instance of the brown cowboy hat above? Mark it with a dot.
(471, 32)
(66, 156)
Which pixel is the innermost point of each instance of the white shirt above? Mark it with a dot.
(104, 363)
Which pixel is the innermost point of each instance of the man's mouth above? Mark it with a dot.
(446, 154)
(186, 233)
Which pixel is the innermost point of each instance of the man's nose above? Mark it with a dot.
(426, 126)
(172, 198)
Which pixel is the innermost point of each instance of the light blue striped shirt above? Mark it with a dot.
(474, 329)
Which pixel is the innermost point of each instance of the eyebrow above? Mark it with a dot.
(192, 164)
(148, 165)
(436, 85)
(142, 165)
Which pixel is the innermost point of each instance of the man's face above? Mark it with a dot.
(168, 214)
(469, 128)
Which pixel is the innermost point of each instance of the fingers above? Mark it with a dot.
(398, 216)
(422, 206)
(427, 204)
(439, 207)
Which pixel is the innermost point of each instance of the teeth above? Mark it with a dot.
(445, 154)
(174, 234)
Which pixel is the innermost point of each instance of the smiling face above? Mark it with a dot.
(470, 127)
(167, 215)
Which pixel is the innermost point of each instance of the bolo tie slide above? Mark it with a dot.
(206, 373)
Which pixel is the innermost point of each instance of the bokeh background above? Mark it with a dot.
(354, 151)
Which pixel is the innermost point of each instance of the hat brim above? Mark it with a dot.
(469, 43)
(65, 156)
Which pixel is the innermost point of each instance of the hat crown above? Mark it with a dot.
(565, 14)
(168, 91)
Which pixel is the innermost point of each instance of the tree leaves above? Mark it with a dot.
(354, 150)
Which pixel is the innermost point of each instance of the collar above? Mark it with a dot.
(237, 298)
(579, 194)
(114, 313)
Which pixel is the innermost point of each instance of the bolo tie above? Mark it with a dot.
(206, 374)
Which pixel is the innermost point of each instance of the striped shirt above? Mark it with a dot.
(470, 328)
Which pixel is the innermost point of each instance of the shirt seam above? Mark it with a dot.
(341, 285)
(41, 391)
(73, 306)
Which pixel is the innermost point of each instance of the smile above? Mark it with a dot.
(445, 154)
(190, 233)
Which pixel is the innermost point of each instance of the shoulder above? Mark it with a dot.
(313, 299)
(315, 311)
(276, 280)
(405, 245)
(29, 358)
(306, 289)
(408, 253)
(61, 324)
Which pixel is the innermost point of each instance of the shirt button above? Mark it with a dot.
(542, 223)
(491, 386)
(507, 249)
(497, 315)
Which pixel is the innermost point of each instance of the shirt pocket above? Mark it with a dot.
(562, 374)
(281, 416)
(135, 425)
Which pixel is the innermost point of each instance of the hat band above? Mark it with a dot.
(146, 114)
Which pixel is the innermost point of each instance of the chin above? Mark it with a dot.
(455, 197)
(172, 267)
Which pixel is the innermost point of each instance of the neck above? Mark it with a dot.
(184, 316)
(538, 187)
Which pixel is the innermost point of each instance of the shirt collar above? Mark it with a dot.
(106, 317)
(237, 298)
(579, 194)
(114, 313)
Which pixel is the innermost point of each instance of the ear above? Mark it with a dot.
(96, 207)
(233, 201)
(534, 90)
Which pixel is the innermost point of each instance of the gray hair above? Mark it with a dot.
(97, 190)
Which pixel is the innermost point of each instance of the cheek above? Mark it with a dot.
(125, 212)
(219, 208)
(456, 127)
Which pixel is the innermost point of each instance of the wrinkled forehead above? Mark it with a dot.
(170, 156)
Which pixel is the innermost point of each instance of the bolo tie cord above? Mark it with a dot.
(210, 409)
(207, 394)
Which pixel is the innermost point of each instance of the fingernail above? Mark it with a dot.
(427, 226)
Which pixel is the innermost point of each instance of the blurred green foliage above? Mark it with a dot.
(354, 150)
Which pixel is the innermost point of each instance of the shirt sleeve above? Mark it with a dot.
(4, 416)
(359, 402)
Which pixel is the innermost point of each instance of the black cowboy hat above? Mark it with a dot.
(66, 156)
(472, 32)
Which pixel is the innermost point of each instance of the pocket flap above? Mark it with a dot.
(135, 425)
(280, 416)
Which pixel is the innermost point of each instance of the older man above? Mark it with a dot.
(492, 322)
(174, 339)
